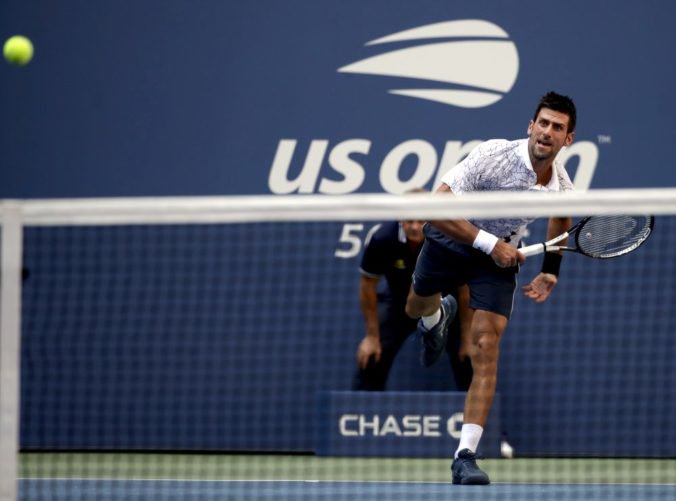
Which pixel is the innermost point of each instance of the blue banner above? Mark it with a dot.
(176, 98)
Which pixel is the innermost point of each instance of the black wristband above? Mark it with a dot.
(552, 263)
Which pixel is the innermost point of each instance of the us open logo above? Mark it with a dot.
(468, 63)
(476, 58)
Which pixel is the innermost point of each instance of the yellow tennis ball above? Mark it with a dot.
(18, 50)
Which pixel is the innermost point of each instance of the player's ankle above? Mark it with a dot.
(430, 321)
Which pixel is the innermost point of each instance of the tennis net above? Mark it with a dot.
(205, 347)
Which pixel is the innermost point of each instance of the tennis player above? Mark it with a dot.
(484, 255)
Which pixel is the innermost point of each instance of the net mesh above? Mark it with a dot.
(214, 360)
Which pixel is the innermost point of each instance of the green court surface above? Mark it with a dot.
(230, 467)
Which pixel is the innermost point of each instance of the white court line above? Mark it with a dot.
(267, 480)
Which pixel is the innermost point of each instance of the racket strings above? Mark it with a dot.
(613, 235)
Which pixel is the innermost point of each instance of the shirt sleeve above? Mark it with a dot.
(373, 258)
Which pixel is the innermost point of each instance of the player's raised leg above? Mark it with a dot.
(436, 314)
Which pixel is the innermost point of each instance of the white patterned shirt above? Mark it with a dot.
(501, 165)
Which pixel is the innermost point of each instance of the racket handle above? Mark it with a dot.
(532, 250)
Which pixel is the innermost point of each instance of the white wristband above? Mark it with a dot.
(485, 242)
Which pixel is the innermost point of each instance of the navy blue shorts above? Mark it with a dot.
(445, 266)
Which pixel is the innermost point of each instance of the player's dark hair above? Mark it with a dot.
(562, 104)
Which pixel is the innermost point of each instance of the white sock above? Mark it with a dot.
(431, 320)
(470, 435)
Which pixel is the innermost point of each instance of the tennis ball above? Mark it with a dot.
(18, 50)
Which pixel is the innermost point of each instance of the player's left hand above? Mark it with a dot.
(540, 288)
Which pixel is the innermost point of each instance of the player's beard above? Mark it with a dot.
(540, 154)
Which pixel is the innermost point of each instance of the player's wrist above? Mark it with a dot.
(551, 263)
(485, 242)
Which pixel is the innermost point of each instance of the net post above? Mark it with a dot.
(10, 338)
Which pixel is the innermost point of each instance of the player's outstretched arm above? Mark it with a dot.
(543, 284)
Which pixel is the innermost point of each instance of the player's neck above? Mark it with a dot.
(543, 170)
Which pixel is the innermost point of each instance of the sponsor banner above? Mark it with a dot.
(398, 424)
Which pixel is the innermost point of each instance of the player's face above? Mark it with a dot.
(413, 230)
(548, 134)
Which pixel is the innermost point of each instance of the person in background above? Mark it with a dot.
(391, 253)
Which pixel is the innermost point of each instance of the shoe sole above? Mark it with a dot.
(457, 481)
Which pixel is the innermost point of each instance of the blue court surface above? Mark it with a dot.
(32, 489)
(120, 476)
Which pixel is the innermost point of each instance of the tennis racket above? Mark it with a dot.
(601, 237)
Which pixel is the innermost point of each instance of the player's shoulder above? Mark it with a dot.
(565, 183)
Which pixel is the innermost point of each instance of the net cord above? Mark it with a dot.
(361, 207)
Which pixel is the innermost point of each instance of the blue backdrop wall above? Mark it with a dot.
(173, 97)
